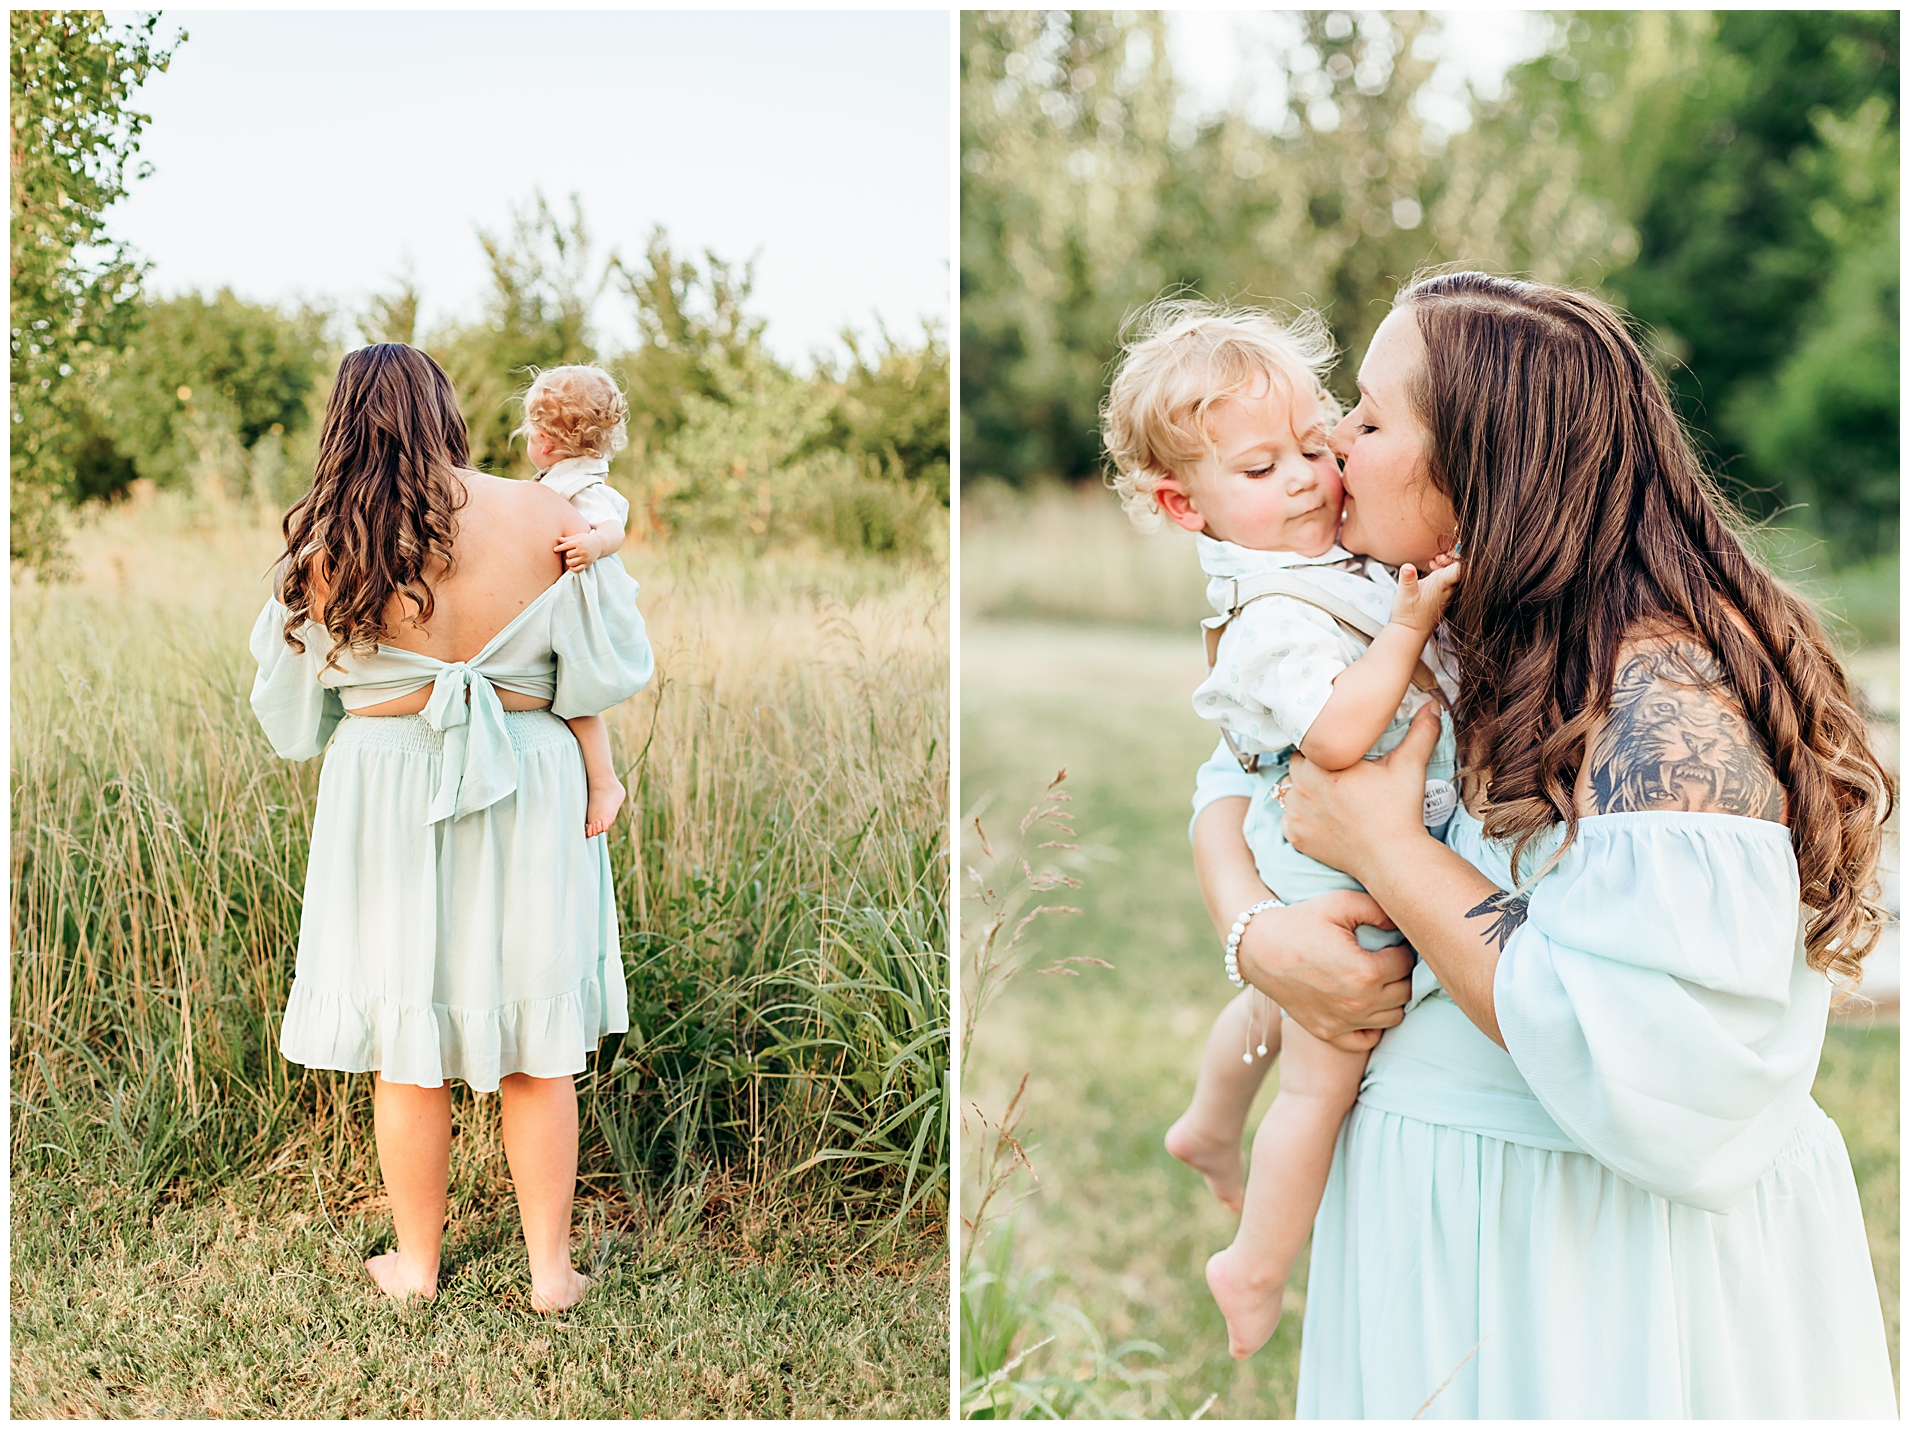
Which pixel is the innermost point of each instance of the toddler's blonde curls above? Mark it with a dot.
(579, 409)
(1180, 356)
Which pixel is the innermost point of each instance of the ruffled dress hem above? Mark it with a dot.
(429, 1045)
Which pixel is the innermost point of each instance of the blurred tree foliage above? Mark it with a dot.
(890, 405)
(194, 365)
(1085, 193)
(544, 282)
(1756, 154)
(723, 436)
(218, 394)
(73, 138)
(693, 325)
(1729, 178)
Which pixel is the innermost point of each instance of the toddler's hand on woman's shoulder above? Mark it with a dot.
(580, 550)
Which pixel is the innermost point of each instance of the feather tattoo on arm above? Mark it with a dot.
(1507, 911)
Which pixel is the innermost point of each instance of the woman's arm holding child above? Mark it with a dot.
(1366, 821)
(1367, 693)
(1304, 956)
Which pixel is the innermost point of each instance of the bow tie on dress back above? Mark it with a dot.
(480, 767)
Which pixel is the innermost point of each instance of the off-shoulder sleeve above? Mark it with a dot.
(603, 655)
(1657, 1002)
(297, 712)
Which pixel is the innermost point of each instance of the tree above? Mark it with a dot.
(693, 326)
(195, 364)
(1086, 193)
(393, 317)
(1755, 153)
(1824, 422)
(890, 407)
(545, 280)
(73, 139)
(1064, 142)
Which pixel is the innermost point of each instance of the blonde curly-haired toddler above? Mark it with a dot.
(1217, 419)
(574, 418)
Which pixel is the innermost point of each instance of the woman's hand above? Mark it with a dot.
(1303, 956)
(1357, 818)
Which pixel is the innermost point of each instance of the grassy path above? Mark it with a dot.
(1125, 1229)
(242, 1308)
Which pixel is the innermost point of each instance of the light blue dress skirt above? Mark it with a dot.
(457, 924)
(1637, 1210)
(468, 948)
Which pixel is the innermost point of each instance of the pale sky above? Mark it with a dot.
(301, 154)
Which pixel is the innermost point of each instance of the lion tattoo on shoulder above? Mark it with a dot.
(1673, 742)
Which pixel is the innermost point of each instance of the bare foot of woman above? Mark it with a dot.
(399, 1280)
(1218, 1159)
(560, 1293)
(1247, 1297)
(605, 800)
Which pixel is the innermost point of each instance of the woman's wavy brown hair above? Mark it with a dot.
(1586, 519)
(384, 498)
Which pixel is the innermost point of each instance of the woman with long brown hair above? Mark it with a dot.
(457, 924)
(1586, 1178)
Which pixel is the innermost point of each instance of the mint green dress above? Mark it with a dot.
(456, 922)
(1632, 1210)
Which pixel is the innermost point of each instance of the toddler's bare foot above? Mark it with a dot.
(605, 800)
(1218, 1159)
(399, 1280)
(1247, 1297)
(561, 1293)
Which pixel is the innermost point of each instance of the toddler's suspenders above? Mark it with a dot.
(1356, 622)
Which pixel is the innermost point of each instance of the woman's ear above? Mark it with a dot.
(1175, 504)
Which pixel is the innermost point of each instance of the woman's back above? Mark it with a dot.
(458, 922)
(503, 558)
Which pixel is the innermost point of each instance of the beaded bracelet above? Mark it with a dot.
(1233, 938)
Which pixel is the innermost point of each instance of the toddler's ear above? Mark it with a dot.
(1177, 507)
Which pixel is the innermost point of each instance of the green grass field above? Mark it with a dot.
(766, 1155)
(1121, 1230)
(243, 1304)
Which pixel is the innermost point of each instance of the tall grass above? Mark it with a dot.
(1026, 1353)
(780, 872)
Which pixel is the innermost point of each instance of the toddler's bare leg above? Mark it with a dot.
(1292, 1154)
(413, 1130)
(1207, 1137)
(606, 790)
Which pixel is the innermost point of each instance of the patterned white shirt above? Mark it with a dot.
(1277, 660)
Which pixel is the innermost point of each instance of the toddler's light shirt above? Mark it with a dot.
(580, 481)
(1274, 671)
(1273, 674)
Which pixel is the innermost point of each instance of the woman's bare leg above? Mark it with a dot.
(540, 1143)
(413, 1127)
(1292, 1153)
(1232, 1067)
